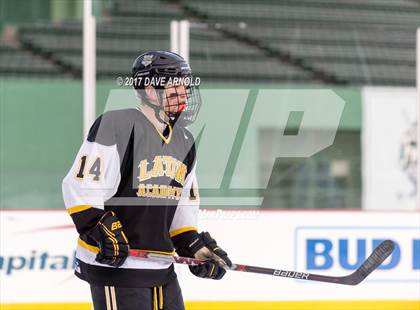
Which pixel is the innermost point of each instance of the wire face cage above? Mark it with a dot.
(185, 112)
(181, 102)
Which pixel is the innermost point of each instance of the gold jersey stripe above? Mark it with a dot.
(77, 209)
(88, 247)
(178, 231)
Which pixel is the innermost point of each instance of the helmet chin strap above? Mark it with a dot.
(172, 118)
(157, 108)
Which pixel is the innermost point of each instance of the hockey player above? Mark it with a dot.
(133, 186)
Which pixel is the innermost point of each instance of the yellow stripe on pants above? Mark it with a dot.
(113, 298)
(108, 301)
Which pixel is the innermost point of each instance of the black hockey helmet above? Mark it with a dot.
(160, 69)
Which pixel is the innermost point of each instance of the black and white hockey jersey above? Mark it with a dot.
(148, 179)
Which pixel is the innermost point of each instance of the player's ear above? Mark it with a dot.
(151, 93)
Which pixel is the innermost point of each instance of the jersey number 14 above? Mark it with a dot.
(95, 168)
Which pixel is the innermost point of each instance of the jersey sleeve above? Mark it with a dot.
(186, 214)
(94, 176)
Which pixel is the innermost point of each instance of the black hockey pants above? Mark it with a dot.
(168, 297)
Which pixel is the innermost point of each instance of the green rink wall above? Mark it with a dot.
(41, 131)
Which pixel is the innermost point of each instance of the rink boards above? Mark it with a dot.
(37, 253)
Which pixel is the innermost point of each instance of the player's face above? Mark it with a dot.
(175, 98)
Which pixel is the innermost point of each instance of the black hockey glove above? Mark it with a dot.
(203, 246)
(112, 242)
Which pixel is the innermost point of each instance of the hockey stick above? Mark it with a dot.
(379, 254)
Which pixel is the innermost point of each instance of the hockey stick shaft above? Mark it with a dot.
(381, 252)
